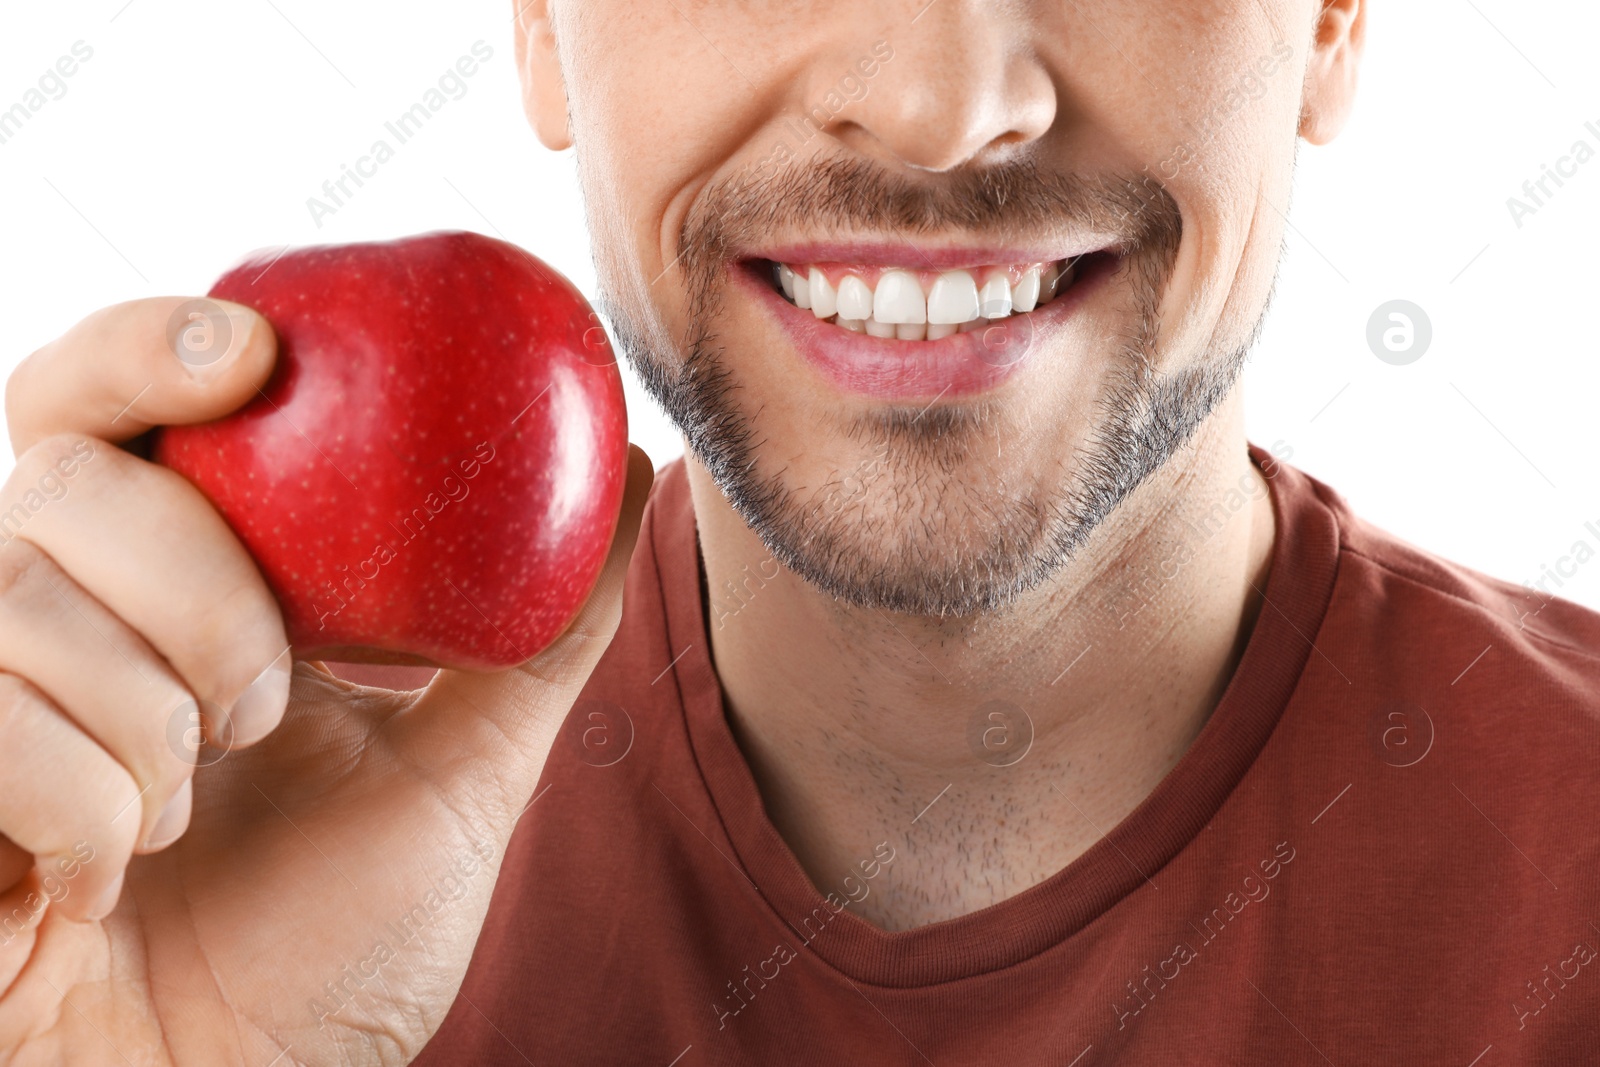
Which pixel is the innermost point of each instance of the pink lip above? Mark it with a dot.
(889, 369)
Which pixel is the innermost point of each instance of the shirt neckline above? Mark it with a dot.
(1298, 589)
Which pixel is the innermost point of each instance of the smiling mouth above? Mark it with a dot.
(914, 304)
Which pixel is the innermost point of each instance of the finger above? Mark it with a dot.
(526, 705)
(128, 367)
(149, 547)
(70, 804)
(15, 862)
(105, 678)
(589, 634)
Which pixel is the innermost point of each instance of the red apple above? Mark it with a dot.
(434, 471)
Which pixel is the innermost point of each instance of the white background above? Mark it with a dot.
(198, 130)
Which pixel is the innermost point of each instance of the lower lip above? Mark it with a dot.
(889, 369)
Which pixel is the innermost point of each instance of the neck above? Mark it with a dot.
(1087, 690)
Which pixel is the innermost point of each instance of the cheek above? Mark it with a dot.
(1233, 200)
(668, 97)
(1220, 136)
(1222, 276)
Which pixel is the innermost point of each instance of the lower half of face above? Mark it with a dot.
(925, 391)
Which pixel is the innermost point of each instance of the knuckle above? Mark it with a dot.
(101, 788)
(83, 366)
(20, 561)
(48, 465)
(144, 768)
(238, 612)
(18, 699)
(236, 632)
(23, 385)
(17, 388)
(46, 473)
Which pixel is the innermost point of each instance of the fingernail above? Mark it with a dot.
(108, 899)
(173, 820)
(261, 705)
(208, 335)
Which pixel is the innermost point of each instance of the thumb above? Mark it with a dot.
(128, 367)
(510, 718)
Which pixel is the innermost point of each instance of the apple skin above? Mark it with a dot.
(434, 471)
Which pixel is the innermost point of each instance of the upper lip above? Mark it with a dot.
(930, 254)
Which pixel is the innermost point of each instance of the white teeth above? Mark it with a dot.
(855, 299)
(898, 308)
(953, 298)
(1024, 295)
(824, 300)
(899, 298)
(994, 300)
(802, 291)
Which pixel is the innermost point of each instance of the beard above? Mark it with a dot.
(925, 524)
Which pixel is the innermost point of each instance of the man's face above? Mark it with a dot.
(1126, 160)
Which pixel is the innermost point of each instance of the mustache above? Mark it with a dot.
(1015, 197)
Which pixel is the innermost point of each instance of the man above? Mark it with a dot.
(976, 694)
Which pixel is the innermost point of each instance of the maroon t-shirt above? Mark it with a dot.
(1383, 847)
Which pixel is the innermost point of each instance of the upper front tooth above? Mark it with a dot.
(995, 299)
(824, 300)
(899, 299)
(1025, 296)
(953, 298)
(786, 280)
(854, 298)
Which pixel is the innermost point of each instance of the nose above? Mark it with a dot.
(962, 86)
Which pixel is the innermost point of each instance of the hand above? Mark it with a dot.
(161, 913)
